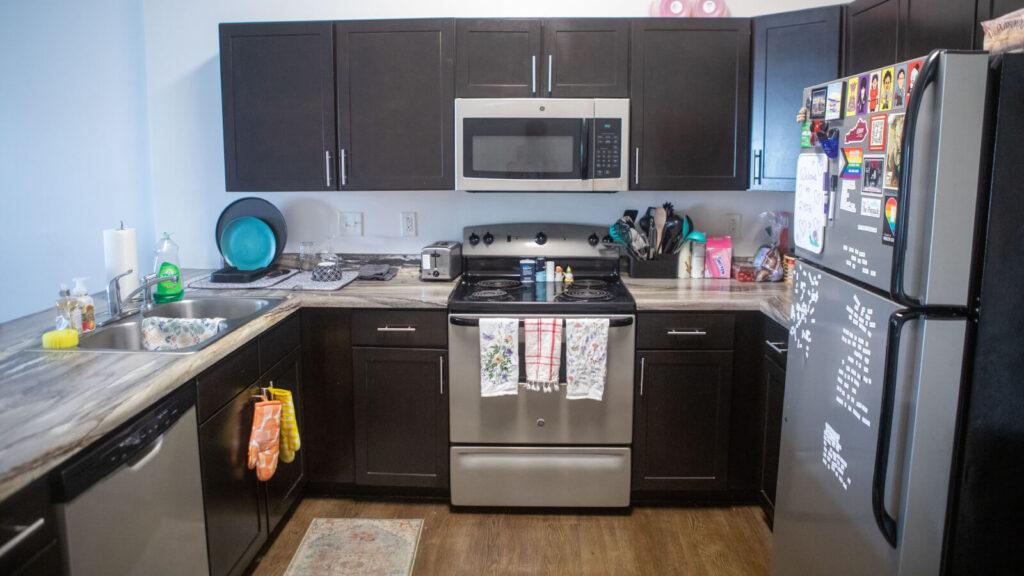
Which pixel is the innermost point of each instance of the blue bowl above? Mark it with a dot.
(248, 243)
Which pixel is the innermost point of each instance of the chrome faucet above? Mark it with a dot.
(114, 300)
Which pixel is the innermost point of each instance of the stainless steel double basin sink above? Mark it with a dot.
(125, 335)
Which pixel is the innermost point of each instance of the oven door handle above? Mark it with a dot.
(612, 322)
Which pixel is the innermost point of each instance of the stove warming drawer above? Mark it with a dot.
(540, 476)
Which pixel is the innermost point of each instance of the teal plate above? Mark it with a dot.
(248, 243)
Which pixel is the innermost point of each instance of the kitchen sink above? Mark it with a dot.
(125, 335)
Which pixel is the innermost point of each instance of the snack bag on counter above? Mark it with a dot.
(718, 257)
(768, 262)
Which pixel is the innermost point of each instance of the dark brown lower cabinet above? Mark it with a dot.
(28, 533)
(681, 420)
(236, 521)
(284, 488)
(401, 416)
(773, 389)
(327, 395)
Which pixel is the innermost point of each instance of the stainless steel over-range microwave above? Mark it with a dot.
(541, 144)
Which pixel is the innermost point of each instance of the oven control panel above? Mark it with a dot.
(607, 147)
(539, 239)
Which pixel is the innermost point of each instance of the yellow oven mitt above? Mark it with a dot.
(290, 441)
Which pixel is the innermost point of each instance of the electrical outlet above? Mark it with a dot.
(408, 224)
(732, 224)
(350, 223)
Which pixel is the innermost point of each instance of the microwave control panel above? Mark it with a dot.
(607, 148)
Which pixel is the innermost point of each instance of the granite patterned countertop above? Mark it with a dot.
(58, 402)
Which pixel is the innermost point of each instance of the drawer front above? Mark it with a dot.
(277, 342)
(226, 379)
(776, 340)
(399, 328)
(684, 331)
(28, 531)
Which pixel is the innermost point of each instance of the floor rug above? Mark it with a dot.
(357, 546)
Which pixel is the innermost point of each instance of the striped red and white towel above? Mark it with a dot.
(543, 353)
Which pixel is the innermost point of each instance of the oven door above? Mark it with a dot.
(537, 417)
(529, 144)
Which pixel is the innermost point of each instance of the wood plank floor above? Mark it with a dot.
(651, 540)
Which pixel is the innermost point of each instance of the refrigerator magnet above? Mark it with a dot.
(834, 101)
(846, 204)
(851, 97)
(912, 71)
(893, 150)
(805, 135)
(885, 99)
(873, 92)
(899, 90)
(873, 169)
(889, 220)
(876, 133)
(862, 95)
(857, 134)
(871, 206)
(818, 97)
(853, 157)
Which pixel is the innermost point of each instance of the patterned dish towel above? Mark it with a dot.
(586, 357)
(159, 333)
(290, 441)
(543, 353)
(499, 357)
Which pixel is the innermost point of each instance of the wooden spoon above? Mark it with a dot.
(660, 216)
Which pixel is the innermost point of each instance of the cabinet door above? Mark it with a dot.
(286, 484)
(791, 51)
(585, 58)
(396, 107)
(235, 518)
(930, 24)
(681, 420)
(401, 417)
(498, 58)
(872, 30)
(690, 103)
(775, 387)
(277, 91)
(327, 395)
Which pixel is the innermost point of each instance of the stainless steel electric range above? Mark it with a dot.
(539, 448)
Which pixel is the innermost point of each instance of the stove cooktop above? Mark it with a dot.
(605, 295)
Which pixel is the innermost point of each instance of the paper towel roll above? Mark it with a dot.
(120, 253)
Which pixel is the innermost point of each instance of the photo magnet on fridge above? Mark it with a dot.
(876, 133)
(853, 158)
(862, 95)
(874, 92)
(889, 220)
(851, 97)
(834, 101)
(873, 169)
(912, 71)
(857, 134)
(818, 97)
(885, 99)
(893, 151)
(899, 90)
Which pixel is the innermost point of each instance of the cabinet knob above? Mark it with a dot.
(540, 422)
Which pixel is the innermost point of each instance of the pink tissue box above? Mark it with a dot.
(718, 257)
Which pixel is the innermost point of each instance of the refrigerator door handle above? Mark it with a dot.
(897, 288)
(886, 523)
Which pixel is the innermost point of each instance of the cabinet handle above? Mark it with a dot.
(344, 175)
(23, 535)
(396, 329)
(550, 60)
(533, 74)
(636, 174)
(641, 375)
(775, 346)
(327, 166)
(757, 166)
(686, 333)
(441, 372)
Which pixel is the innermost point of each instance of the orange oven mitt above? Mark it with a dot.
(263, 441)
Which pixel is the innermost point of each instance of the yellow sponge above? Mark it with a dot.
(60, 339)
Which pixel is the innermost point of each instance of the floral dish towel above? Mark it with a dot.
(586, 355)
(159, 333)
(499, 357)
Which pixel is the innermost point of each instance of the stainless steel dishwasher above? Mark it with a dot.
(133, 503)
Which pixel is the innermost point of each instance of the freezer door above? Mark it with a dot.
(824, 517)
(859, 212)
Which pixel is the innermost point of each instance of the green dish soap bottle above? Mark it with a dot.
(166, 264)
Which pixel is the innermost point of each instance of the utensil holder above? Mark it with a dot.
(663, 266)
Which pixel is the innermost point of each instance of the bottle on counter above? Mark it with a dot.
(85, 312)
(559, 275)
(65, 308)
(165, 263)
(568, 276)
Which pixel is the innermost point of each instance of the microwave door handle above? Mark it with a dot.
(585, 146)
(533, 74)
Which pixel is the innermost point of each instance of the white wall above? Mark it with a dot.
(73, 150)
(183, 72)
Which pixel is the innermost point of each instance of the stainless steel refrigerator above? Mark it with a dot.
(906, 207)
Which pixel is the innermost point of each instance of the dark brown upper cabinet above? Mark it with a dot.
(690, 103)
(783, 65)
(872, 31)
(559, 58)
(396, 104)
(277, 92)
(929, 24)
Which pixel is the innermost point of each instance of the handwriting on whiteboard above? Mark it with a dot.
(809, 202)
